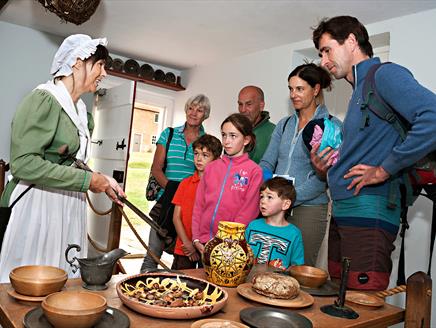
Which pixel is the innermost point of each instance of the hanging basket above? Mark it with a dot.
(73, 11)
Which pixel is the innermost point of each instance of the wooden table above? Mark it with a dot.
(12, 311)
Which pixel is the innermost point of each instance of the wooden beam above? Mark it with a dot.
(418, 300)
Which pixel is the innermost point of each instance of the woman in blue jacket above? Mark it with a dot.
(288, 156)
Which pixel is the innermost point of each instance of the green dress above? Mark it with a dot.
(39, 128)
(53, 213)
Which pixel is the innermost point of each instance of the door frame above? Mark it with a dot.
(143, 94)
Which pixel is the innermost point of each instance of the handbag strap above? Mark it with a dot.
(170, 137)
(61, 161)
(21, 195)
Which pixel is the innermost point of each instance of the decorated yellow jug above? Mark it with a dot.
(228, 258)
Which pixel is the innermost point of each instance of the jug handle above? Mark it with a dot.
(71, 262)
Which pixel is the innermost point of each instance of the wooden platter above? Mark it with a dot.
(25, 298)
(302, 300)
(205, 323)
(364, 299)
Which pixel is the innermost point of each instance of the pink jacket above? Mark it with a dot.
(228, 191)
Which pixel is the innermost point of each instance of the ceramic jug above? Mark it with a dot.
(228, 258)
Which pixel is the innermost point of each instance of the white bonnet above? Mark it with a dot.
(73, 47)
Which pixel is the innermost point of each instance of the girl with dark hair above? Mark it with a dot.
(288, 156)
(229, 188)
(52, 212)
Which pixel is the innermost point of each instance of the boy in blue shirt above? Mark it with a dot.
(274, 240)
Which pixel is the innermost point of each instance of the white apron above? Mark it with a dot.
(45, 220)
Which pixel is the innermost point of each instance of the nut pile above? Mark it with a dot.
(170, 293)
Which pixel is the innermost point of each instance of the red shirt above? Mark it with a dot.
(185, 198)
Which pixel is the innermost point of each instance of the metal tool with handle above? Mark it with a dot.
(81, 165)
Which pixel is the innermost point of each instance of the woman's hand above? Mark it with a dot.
(103, 183)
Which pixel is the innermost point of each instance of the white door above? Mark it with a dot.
(137, 140)
(109, 151)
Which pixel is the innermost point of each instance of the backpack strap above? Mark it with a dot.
(433, 235)
(431, 194)
(372, 100)
(170, 137)
(286, 123)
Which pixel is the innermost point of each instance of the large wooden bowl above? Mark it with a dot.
(308, 276)
(73, 309)
(172, 312)
(37, 280)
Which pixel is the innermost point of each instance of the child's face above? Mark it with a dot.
(202, 156)
(271, 203)
(233, 141)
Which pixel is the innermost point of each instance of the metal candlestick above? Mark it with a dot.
(338, 309)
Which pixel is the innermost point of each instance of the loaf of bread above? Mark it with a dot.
(276, 285)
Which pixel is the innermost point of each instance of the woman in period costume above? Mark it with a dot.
(50, 127)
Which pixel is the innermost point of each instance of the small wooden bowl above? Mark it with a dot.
(308, 276)
(37, 280)
(74, 309)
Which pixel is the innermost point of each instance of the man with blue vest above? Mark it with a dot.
(372, 155)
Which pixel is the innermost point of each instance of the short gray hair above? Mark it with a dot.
(200, 100)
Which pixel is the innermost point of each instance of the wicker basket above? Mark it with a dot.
(73, 11)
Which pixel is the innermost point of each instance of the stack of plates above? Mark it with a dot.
(159, 75)
(170, 77)
(146, 71)
(108, 62)
(131, 67)
(117, 65)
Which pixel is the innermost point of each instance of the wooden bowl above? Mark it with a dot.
(308, 276)
(186, 312)
(37, 280)
(73, 309)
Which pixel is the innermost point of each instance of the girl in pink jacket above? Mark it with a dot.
(229, 188)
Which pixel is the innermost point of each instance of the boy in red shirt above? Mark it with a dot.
(206, 149)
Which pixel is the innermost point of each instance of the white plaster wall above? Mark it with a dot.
(268, 69)
(25, 58)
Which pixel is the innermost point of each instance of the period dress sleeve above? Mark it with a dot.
(39, 128)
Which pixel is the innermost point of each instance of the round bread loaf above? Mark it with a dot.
(276, 285)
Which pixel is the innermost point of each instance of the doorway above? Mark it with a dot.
(130, 137)
(145, 131)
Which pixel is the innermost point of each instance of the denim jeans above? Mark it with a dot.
(156, 245)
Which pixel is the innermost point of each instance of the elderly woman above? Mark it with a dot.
(179, 165)
(50, 127)
(288, 156)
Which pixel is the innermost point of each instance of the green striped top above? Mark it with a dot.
(180, 156)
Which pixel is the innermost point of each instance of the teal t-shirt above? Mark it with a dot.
(270, 243)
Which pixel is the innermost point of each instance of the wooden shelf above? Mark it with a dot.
(165, 85)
